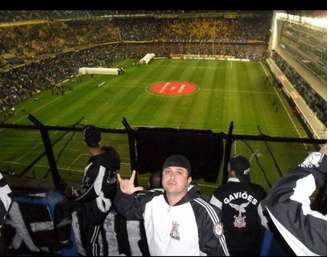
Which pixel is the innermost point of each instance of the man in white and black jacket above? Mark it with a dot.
(93, 199)
(177, 220)
(5, 204)
(288, 206)
(238, 200)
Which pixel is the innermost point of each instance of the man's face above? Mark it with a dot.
(175, 180)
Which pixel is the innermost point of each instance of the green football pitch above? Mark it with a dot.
(226, 91)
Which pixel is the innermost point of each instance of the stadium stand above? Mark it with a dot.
(312, 98)
(308, 46)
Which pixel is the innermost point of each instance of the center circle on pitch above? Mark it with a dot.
(173, 88)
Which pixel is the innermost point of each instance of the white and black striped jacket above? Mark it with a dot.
(288, 205)
(98, 185)
(191, 227)
(5, 199)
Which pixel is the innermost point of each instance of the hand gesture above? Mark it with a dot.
(127, 185)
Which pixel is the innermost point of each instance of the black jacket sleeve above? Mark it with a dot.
(132, 206)
(288, 205)
(210, 228)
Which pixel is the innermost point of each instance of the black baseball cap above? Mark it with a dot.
(241, 166)
(91, 135)
(178, 161)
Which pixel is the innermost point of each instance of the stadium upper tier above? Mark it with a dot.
(311, 97)
(307, 45)
(21, 42)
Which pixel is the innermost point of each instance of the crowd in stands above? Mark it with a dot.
(204, 29)
(25, 15)
(33, 41)
(311, 97)
(308, 46)
(23, 43)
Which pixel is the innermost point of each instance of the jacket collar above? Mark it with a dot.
(192, 193)
(233, 180)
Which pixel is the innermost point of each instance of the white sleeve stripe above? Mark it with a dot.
(224, 245)
(5, 199)
(209, 210)
(99, 180)
(215, 220)
(103, 204)
(264, 221)
(216, 202)
(298, 247)
(302, 192)
(85, 170)
(97, 184)
(94, 236)
(93, 241)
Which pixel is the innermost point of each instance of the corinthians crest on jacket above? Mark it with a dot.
(239, 221)
(174, 230)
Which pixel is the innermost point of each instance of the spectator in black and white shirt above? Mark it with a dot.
(289, 206)
(177, 220)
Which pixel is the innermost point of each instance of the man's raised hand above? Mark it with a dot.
(127, 185)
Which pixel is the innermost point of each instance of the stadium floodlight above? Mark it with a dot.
(316, 22)
(313, 21)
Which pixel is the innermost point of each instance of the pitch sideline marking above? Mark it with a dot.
(39, 166)
(35, 111)
(266, 73)
(101, 84)
(285, 108)
(76, 159)
(282, 103)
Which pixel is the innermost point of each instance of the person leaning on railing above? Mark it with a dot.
(289, 207)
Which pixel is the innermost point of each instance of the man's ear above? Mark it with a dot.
(189, 180)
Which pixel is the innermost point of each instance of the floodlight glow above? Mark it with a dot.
(317, 22)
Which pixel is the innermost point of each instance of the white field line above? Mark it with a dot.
(266, 73)
(101, 84)
(164, 87)
(282, 103)
(33, 148)
(207, 90)
(39, 166)
(35, 111)
(240, 91)
(75, 160)
(285, 108)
